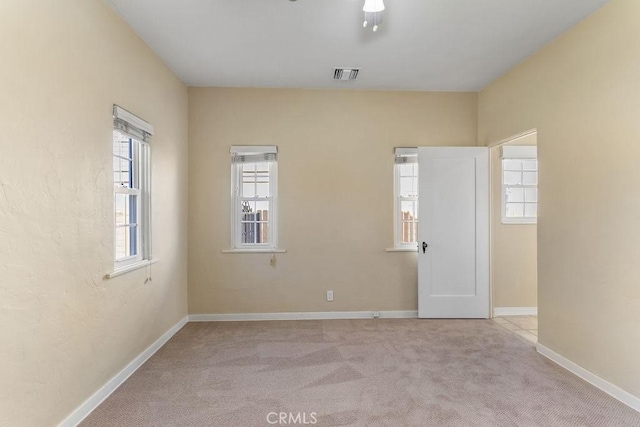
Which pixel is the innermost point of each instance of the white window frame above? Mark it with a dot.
(253, 154)
(516, 152)
(402, 156)
(139, 133)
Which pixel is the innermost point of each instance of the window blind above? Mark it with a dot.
(406, 155)
(253, 153)
(131, 125)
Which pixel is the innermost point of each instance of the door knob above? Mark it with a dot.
(424, 247)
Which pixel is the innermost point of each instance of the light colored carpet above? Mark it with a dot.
(379, 372)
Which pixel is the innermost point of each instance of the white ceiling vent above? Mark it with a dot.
(345, 73)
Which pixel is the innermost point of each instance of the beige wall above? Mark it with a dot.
(335, 170)
(514, 258)
(64, 329)
(582, 93)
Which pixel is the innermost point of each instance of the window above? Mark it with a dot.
(406, 198)
(254, 195)
(519, 185)
(131, 183)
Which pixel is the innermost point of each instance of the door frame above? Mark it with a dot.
(491, 146)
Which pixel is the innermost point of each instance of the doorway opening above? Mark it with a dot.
(514, 240)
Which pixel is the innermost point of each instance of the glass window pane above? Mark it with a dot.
(530, 165)
(126, 242)
(512, 165)
(124, 167)
(254, 226)
(133, 212)
(514, 194)
(122, 172)
(255, 180)
(531, 195)
(262, 206)
(249, 168)
(262, 176)
(513, 178)
(514, 210)
(121, 247)
(408, 210)
(409, 232)
(408, 187)
(248, 189)
(531, 210)
(122, 209)
(530, 178)
(121, 145)
(262, 189)
(126, 209)
(133, 239)
(407, 169)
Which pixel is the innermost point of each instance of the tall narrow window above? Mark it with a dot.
(254, 196)
(519, 184)
(406, 198)
(131, 183)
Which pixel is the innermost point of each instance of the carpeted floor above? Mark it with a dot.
(379, 372)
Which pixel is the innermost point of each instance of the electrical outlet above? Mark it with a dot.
(329, 295)
(376, 314)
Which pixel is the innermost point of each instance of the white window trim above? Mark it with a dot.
(136, 164)
(409, 152)
(254, 251)
(516, 152)
(236, 246)
(131, 267)
(140, 131)
(407, 249)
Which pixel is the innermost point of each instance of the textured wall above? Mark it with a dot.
(336, 194)
(514, 256)
(582, 93)
(64, 330)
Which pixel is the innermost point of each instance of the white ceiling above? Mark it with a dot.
(439, 45)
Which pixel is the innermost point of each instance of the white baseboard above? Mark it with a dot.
(317, 315)
(81, 412)
(604, 385)
(515, 311)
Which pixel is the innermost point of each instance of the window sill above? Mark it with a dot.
(254, 251)
(519, 222)
(402, 249)
(131, 267)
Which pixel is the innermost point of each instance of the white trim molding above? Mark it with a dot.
(131, 267)
(317, 315)
(82, 411)
(513, 138)
(254, 251)
(515, 311)
(604, 385)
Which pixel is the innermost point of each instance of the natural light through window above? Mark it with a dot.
(132, 188)
(519, 185)
(254, 172)
(406, 198)
(126, 181)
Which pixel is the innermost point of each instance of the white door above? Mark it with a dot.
(453, 236)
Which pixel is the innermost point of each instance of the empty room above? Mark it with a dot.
(330, 213)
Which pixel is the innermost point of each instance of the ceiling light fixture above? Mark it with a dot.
(373, 13)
